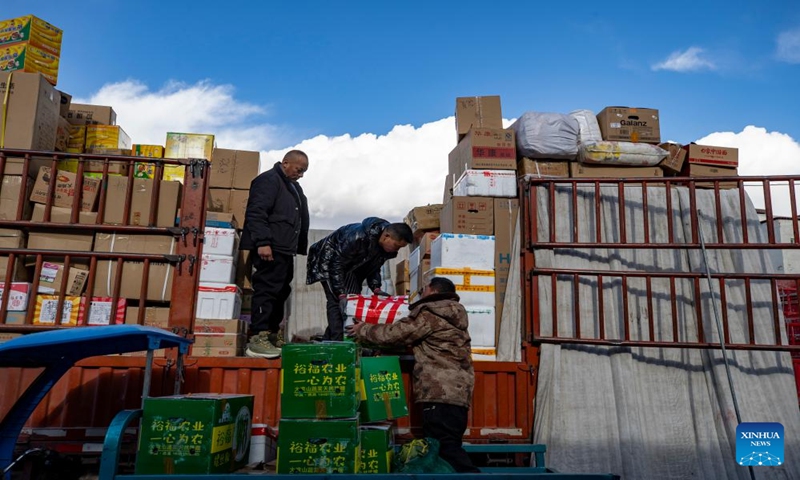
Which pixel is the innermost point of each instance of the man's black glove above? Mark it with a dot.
(380, 293)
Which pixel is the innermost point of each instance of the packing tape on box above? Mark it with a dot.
(5, 111)
(387, 403)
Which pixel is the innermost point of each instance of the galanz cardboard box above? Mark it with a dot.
(194, 434)
(319, 380)
(627, 124)
(318, 446)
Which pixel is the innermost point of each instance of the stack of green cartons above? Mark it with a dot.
(383, 398)
(319, 408)
(194, 434)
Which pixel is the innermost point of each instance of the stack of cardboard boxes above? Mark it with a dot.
(334, 408)
(29, 44)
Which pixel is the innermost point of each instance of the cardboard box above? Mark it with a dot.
(377, 448)
(474, 287)
(626, 124)
(222, 165)
(149, 151)
(46, 312)
(12, 239)
(94, 168)
(218, 301)
(84, 114)
(543, 168)
(10, 198)
(18, 296)
(219, 200)
(506, 216)
(482, 325)
(232, 341)
(220, 241)
(52, 240)
(185, 146)
(217, 269)
(674, 161)
(383, 396)
(65, 189)
(229, 352)
(52, 275)
(62, 134)
(486, 183)
(77, 138)
(319, 380)
(7, 337)
(102, 311)
(24, 57)
(709, 171)
(477, 112)
(210, 326)
(726, 157)
(238, 203)
(425, 243)
(221, 220)
(449, 180)
(62, 215)
(417, 279)
(484, 148)
(402, 272)
(456, 250)
(102, 138)
(247, 167)
(141, 202)
(215, 429)
(472, 215)
(66, 101)
(14, 166)
(244, 271)
(159, 285)
(318, 446)
(422, 219)
(31, 111)
(153, 316)
(33, 30)
(582, 170)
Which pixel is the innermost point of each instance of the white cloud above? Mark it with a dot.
(763, 153)
(788, 46)
(148, 115)
(691, 60)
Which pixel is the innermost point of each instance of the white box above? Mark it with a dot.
(486, 183)
(219, 302)
(18, 298)
(474, 287)
(220, 241)
(218, 269)
(481, 325)
(413, 260)
(460, 250)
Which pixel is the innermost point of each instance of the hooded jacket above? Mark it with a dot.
(436, 328)
(348, 256)
(276, 215)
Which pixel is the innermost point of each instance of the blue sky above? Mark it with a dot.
(293, 71)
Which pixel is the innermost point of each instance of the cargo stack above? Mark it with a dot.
(694, 160)
(29, 44)
(424, 223)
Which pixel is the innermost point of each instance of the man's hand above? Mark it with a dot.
(265, 253)
(351, 330)
(380, 293)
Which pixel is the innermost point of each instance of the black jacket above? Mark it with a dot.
(277, 214)
(348, 256)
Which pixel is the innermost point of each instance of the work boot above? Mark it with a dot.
(277, 338)
(260, 346)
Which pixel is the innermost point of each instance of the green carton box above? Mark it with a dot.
(318, 380)
(377, 449)
(383, 396)
(194, 434)
(318, 446)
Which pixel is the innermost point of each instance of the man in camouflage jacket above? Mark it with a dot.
(436, 328)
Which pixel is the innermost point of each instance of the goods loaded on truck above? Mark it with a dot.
(627, 304)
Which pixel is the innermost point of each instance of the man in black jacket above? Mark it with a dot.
(275, 230)
(350, 255)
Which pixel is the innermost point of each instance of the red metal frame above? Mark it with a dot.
(533, 275)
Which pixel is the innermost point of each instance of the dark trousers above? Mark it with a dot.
(272, 284)
(333, 307)
(447, 424)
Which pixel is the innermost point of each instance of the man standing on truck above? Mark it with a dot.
(436, 328)
(275, 230)
(350, 255)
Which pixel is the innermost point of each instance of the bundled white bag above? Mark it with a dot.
(546, 135)
(588, 127)
(621, 153)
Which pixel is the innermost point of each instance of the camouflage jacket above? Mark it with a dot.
(436, 328)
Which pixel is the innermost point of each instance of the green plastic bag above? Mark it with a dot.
(421, 455)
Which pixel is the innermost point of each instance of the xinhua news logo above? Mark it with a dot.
(759, 444)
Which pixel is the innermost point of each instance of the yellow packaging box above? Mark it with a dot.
(144, 169)
(24, 57)
(186, 145)
(46, 310)
(33, 30)
(100, 138)
(77, 139)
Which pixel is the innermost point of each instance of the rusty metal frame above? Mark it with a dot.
(532, 274)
